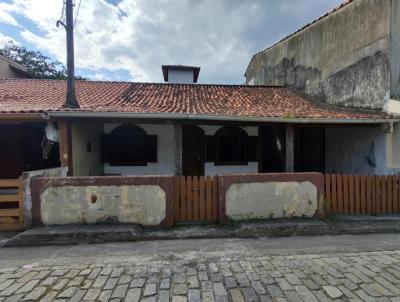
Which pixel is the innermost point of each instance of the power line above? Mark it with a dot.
(77, 12)
(62, 13)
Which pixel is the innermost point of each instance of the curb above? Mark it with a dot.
(69, 235)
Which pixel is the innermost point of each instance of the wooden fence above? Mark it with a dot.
(195, 199)
(11, 204)
(362, 195)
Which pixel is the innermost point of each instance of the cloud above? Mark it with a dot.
(5, 16)
(138, 36)
(5, 39)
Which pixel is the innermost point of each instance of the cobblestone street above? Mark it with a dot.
(212, 275)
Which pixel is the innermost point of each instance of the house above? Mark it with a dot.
(12, 69)
(324, 99)
(349, 58)
(180, 128)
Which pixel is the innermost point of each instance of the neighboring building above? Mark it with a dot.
(184, 129)
(349, 57)
(12, 69)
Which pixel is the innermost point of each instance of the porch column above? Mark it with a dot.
(178, 149)
(65, 145)
(289, 148)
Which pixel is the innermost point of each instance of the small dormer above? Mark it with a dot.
(180, 74)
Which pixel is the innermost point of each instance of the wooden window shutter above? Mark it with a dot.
(151, 148)
(211, 148)
(252, 148)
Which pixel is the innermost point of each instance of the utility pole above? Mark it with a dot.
(71, 101)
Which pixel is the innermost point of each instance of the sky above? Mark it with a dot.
(129, 40)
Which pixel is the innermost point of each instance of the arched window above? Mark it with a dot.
(129, 145)
(231, 145)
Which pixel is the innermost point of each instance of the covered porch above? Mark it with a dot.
(135, 147)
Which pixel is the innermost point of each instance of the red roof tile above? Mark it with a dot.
(29, 96)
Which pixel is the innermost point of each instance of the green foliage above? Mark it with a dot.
(36, 63)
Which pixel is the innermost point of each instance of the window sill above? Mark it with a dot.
(234, 163)
(138, 164)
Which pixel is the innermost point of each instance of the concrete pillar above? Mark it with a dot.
(289, 148)
(178, 149)
(65, 145)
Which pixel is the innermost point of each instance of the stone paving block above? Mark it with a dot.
(68, 292)
(332, 291)
(120, 291)
(305, 293)
(236, 295)
(219, 290)
(105, 296)
(249, 294)
(35, 294)
(150, 289)
(78, 296)
(180, 289)
(163, 296)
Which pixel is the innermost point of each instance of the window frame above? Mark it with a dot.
(236, 132)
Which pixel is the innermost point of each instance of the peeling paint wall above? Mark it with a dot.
(271, 200)
(357, 150)
(344, 59)
(141, 204)
(86, 151)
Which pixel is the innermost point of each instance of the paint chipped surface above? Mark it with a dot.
(142, 204)
(271, 200)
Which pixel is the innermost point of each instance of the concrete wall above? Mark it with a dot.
(211, 169)
(96, 200)
(54, 172)
(262, 196)
(143, 204)
(5, 70)
(86, 162)
(344, 59)
(165, 164)
(271, 200)
(358, 150)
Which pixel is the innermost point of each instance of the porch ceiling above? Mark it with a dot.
(176, 101)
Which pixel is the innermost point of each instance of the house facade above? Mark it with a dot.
(349, 58)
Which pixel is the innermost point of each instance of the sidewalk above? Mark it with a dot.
(59, 235)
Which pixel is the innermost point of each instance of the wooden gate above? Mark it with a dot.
(195, 199)
(362, 195)
(11, 204)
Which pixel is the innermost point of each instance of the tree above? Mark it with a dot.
(36, 63)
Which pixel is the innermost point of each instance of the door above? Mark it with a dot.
(272, 149)
(192, 151)
(309, 150)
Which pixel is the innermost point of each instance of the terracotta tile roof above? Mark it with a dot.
(35, 95)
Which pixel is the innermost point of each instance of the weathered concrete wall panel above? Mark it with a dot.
(344, 59)
(271, 200)
(357, 150)
(143, 204)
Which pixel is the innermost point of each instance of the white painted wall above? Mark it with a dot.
(180, 76)
(347, 149)
(211, 169)
(86, 163)
(165, 164)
